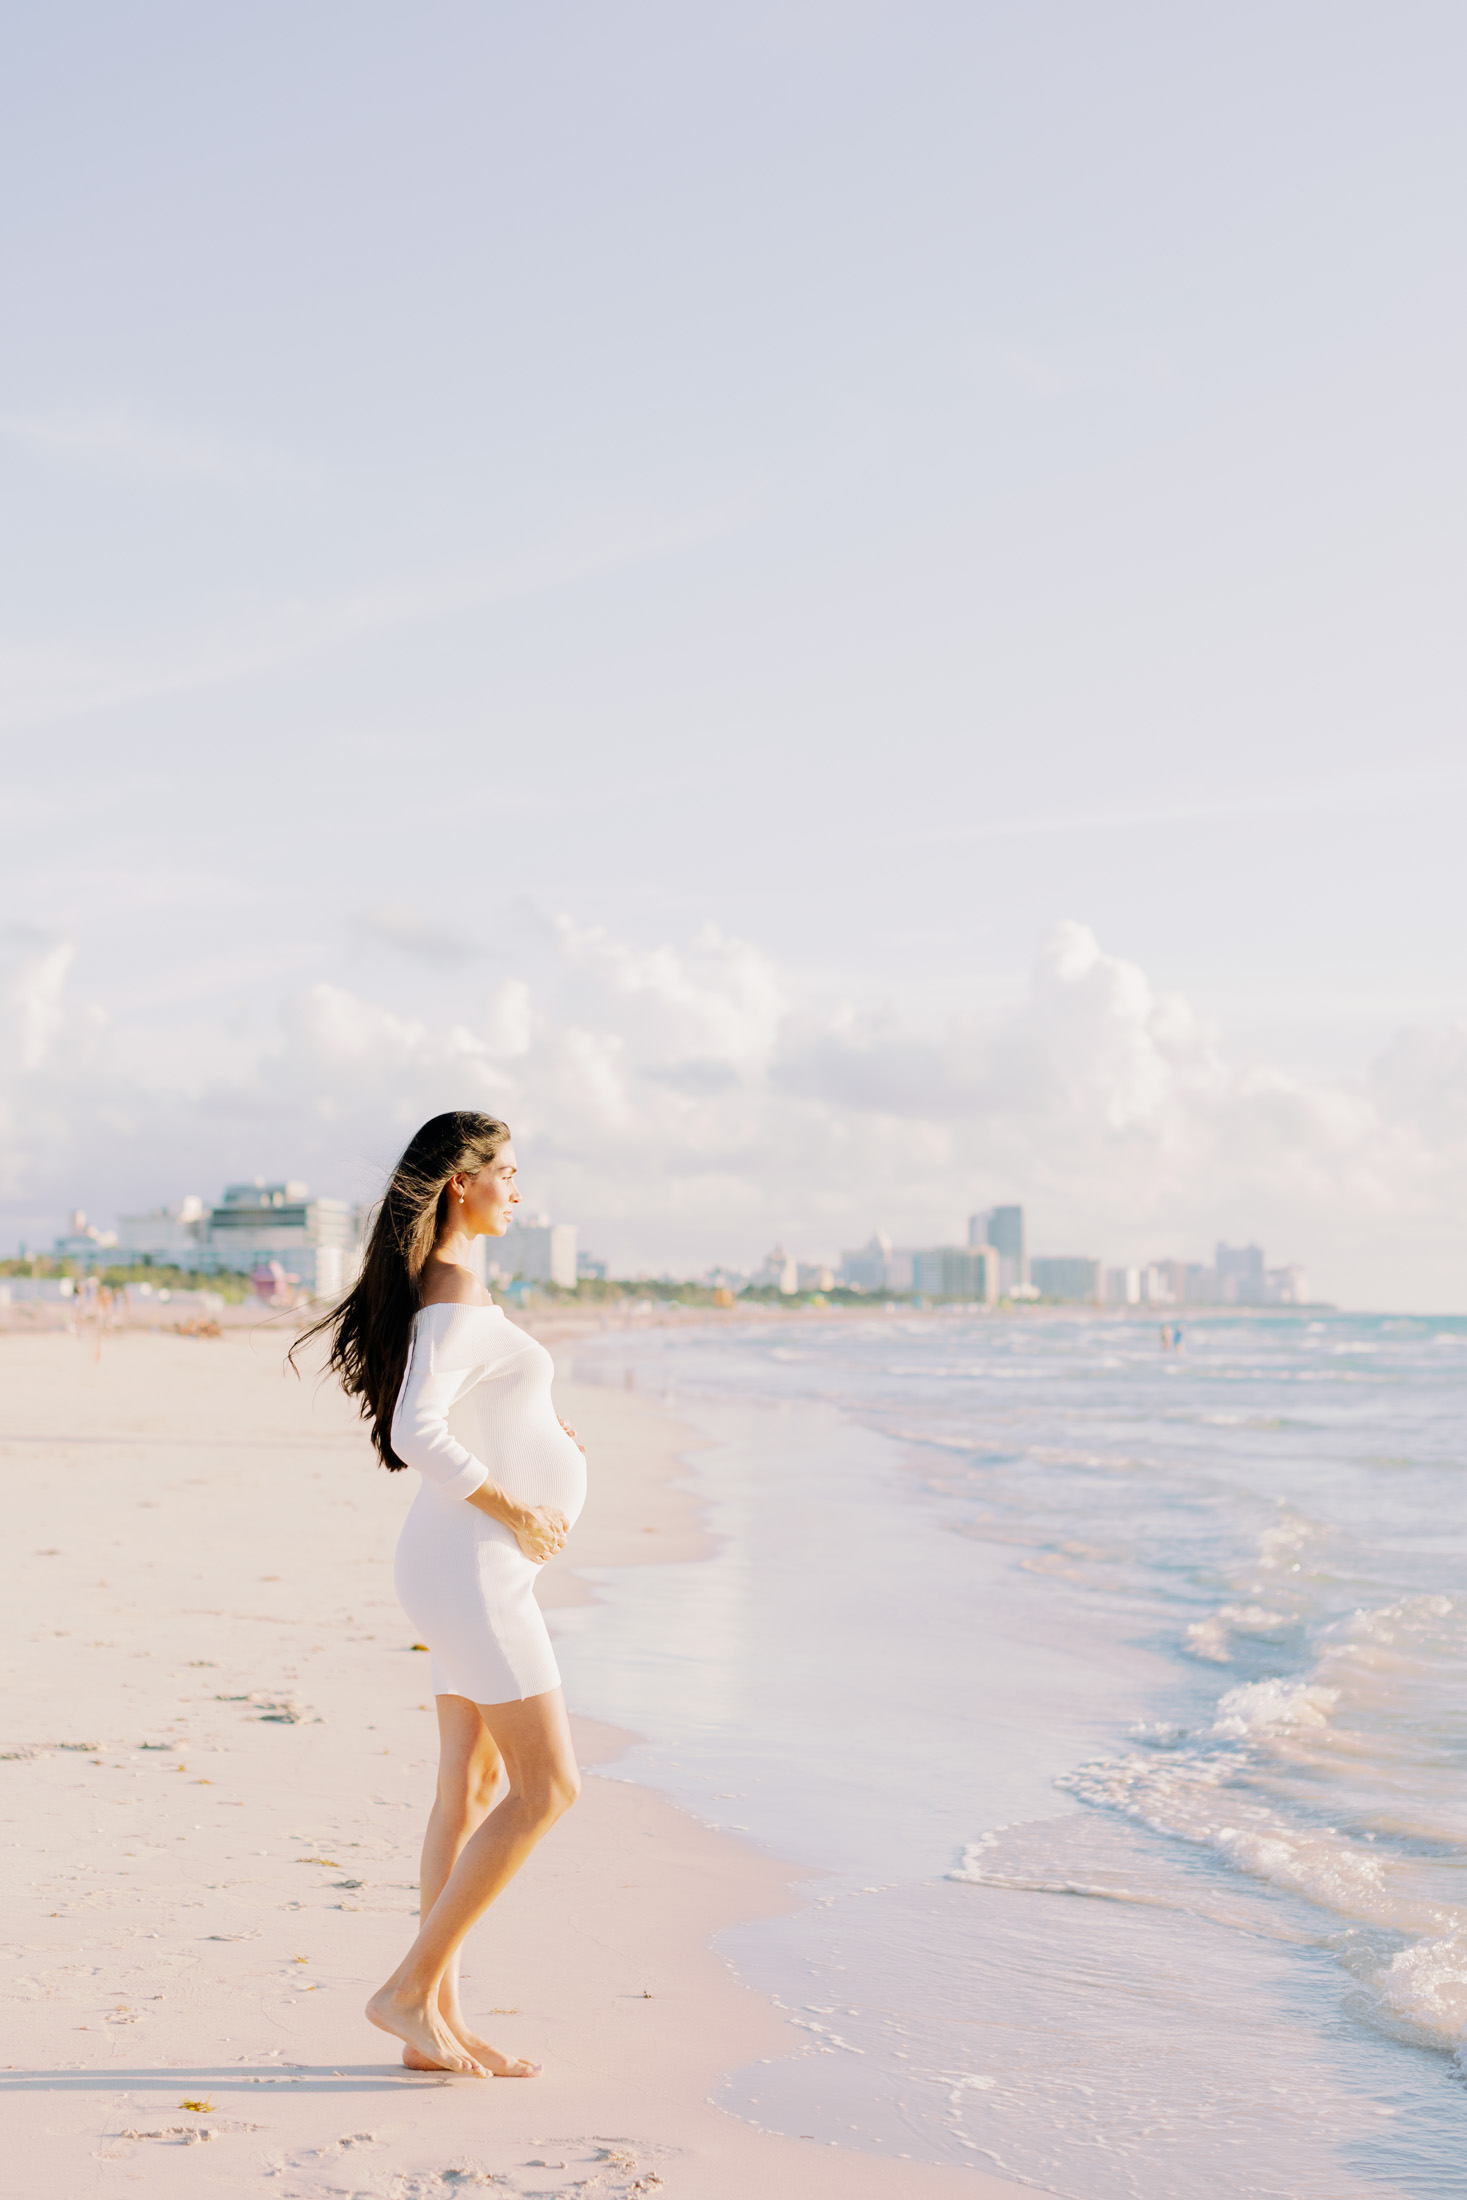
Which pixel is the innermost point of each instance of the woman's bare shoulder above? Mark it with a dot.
(444, 1283)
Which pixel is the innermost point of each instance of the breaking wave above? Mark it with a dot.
(1341, 1786)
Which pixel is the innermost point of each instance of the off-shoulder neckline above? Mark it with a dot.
(460, 1306)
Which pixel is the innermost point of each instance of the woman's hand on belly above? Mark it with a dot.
(570, 1432)
(539, 1530)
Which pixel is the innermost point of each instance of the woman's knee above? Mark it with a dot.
(468, 1789)
(551, 1793)
(484, 1791)
(486, 1777)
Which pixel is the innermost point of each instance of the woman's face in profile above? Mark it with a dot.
(491, 1197)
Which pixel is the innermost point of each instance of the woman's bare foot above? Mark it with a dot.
(497, 2065)
(487, 2057)
(423, 2033)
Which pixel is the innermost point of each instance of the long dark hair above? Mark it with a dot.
(369, 1328)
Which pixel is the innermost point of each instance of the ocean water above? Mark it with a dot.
(1115, 1700)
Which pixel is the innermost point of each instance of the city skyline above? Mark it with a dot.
(257, 1222)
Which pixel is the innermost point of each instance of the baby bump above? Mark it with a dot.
(560, 1482)
(522, 1444)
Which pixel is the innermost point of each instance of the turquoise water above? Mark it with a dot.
(1116, 1700)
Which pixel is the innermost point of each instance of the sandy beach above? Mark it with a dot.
(217, 1758)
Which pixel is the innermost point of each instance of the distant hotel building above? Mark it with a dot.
(169, 1236)
(989, 1267)
(1239, 1276)
(779, 1271)
(866, 1269)
(877, 1266)
(538, 1250)
(969, 1272)
(313, 1240)
(1003, 1229)
(935, 1271)
(1068, 1277)
(1153, 1286)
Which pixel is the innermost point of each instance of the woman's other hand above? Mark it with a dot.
(540, 1532)
(570, 1432)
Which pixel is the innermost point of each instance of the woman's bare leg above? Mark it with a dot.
(471, 1776)
(533, 1739)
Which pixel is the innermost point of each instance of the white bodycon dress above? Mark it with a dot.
(475, 1407)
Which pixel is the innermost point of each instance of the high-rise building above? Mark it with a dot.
(168, 1236)
(778, 1271)
(1003, 1229)
(1139, 1286)
(538, 1250)
(1178, 1282)
(314, 1240)
(1241, 1277)
(956, 1272)
(866, 1270)
(1067, 1277)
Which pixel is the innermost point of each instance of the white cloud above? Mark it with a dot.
(686, 1102)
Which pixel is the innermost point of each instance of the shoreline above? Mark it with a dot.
(218, 1803)
(554, 1322)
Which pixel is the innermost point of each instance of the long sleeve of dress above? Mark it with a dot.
(420, 1434)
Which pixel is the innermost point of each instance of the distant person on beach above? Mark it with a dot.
(454, 1389)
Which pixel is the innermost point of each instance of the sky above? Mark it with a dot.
(845, 612)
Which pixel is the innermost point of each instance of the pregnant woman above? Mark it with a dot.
(454, 1389)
